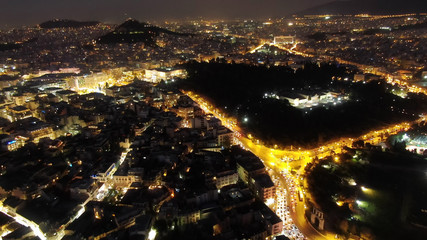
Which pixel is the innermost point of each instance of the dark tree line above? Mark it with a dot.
(238, 89)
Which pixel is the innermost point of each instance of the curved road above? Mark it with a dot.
(295, 159)
(271, 158)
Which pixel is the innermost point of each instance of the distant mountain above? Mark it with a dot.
(133, 31)
(65, 23)
(353, 7)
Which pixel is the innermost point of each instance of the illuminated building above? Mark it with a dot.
(417, 144)
(95, 81)
(424, 76)
(284, 40)
(262, 186)
(42, 131)
(9, 143)
(18, 112)
(199, 122)
(359, 77)
(113, 91)
(226, 138)
(225, 178)
(248, 167)
(65, 95)
(125, 181)
(159, 74)
(188, 217)
(185, 111)
(20, 99)
(303, 100)
(274, 223)
(32, 128)
(8, 81)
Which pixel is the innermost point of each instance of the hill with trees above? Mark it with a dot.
(132, 31)
(239, 91)
(65, 23)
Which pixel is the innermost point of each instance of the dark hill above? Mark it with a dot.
(9, 46)
(367, 6)
(133, 31)
(64, 23)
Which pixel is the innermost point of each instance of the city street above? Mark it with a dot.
(281, 162)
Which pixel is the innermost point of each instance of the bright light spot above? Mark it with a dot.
(405, 137)
(245, 119)
(364, 189)
(269, 201)
(152, 234)
(326, 166)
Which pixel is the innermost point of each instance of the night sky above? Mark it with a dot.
(30, 12)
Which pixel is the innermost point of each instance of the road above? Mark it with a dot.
(271, 158)
(79, 210)
(281, 169)
(365, 68)
(282, 161)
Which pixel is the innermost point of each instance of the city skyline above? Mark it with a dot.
(117, 123)
(29, 13)
(14, 14)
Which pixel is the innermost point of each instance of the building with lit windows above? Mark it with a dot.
(199, 122)
(9, 143)
(90, 82)
(263, 187)
(32, 128)
(284, 40)
(274, 223)
(159, 74)
(248, 167)
(417, 144)
(226, 137)
(41, 131)
(311, 99)
(122, 181)
(252, 172)
(225, 178)
(18, 112)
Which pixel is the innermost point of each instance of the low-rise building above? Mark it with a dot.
(18, 112)
(159, 74)
(248, 167)
(225, 178)
(262, 186)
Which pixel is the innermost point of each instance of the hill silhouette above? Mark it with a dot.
(65, 23)
(133, 31)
